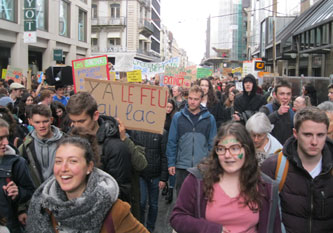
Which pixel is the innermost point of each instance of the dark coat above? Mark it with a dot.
(115, 156)
(189, 213)
(249, 101)
(306, 203)
(283, 124)
(155, 146)
(14, 168)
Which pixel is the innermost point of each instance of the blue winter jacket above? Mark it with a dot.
(188, 144)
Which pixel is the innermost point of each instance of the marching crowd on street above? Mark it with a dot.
(256, 160)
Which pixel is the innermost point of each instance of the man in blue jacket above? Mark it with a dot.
(191, 136)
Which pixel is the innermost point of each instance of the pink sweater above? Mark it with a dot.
(227, 211)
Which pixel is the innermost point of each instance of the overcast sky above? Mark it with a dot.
(187, 20)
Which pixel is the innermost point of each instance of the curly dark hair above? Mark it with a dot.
(249, 174)
(212, 99)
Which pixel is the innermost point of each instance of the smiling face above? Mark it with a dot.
(71, 169)
(230, 162)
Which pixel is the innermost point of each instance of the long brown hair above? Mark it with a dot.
(249, 174)
(212, 99)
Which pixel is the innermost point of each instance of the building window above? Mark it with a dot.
(82, 25)
(7, 10)
(41, 14)
(94, 11)
(94, 41)
(114, 41)
(64, 19)
(115, 11)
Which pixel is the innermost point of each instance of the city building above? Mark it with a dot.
(226, 35)
(125, 30)
(61, 25)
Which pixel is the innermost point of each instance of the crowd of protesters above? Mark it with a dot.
(64, 167)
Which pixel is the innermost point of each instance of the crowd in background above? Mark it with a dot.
(75, 170)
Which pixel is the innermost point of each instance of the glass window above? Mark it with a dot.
(94, 11)
(115, 10)
(64, 19)
(41, 14)
(82, 25)
(94, 41)
(114, 41)
(7, 10)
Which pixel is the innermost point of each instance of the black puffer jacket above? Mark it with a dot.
(155, 146)
(249, 101)
(306, 203)
(115, 156)
(283, 124)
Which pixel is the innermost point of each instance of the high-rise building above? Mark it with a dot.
(125, 30)
(60, 24)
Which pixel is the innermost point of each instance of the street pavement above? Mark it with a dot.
(164, 212)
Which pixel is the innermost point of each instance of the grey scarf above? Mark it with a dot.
(83, 214)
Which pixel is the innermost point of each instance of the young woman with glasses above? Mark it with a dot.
(227, 193)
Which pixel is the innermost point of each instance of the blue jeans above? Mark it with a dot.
(149, 189)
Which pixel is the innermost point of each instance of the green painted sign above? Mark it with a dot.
(30, 26)
(99, 61)
(57, 55)
(203, 73)
(29, 14)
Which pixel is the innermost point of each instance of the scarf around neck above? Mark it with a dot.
(83, 214)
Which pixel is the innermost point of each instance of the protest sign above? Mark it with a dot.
(149, 69)
(134, 76)
(14, 74)
(176, 76)
(92, 67)
(140, 107)
(204, 73)
(3, 75)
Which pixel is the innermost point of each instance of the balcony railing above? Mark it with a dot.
(146, 28)
(145, 52)
(121, 21)
(110, 49)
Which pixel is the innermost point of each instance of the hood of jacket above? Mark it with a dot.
(290, 150)
(57, 134)
(83, 214)
(108, 127)
(252, 79)
(203, 111)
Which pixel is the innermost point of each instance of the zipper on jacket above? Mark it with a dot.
(322, 203)
(311, 206)
(193, 148)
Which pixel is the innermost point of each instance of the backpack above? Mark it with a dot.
(281, 170)
(291, 112)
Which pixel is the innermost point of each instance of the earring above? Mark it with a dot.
(88, 172)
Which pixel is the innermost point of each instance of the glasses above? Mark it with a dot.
(259, 136)
(233, 150)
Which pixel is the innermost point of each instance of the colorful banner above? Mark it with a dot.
(149, 69)
(14, 74)
(204, 73)
(134, 76)
(177, 76)
(92, 67)
(140, 107)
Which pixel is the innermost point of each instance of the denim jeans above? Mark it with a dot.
(149, 190)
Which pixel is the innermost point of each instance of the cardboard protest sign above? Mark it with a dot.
(176, 76)
(92, 67)
(134, 76)
(149, 69)
(140, 107)
(14, 74)
(3, 75)
(204, 73)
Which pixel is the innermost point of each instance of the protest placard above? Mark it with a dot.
(149, 69)
(140, 107)
(3, 75)
(134, 76)
(204, 73)
(14, 74)
(92, 67)
(177, 76)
